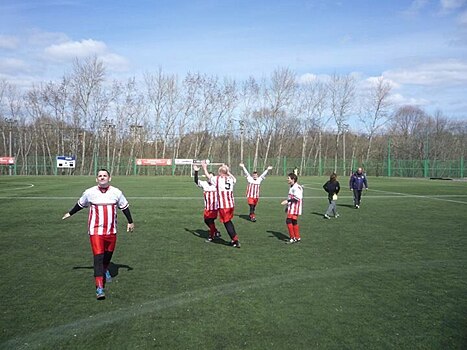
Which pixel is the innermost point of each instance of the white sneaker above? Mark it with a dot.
(357, 206)
(326, 216)
(290, 241)
(336, 216)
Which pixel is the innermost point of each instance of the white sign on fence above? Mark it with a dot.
(66, 162)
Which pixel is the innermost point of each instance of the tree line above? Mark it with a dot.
(199, 116)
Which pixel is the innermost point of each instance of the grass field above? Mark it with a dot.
(391, 275)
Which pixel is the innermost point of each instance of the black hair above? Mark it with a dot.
(293, 177)
(108, 172)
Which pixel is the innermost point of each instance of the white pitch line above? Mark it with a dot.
(25, 187)
(434, 197)
(394, 195)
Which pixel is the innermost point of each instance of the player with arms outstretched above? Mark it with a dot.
(253, 188)
(294, 204)
(224, 183)
(103, 201)
(211, 205)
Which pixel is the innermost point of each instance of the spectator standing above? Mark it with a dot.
(332, 187)
(357, 183)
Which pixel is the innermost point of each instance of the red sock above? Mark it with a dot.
(235, 238)
(296, 229)
(212, 230)
(99, 281)
(291, 231)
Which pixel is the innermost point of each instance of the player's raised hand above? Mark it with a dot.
(130, 227)
(284, 202)
(66, 216)
(241, 165)
(270, 167)
(195, 168)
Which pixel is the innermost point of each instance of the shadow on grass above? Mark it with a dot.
(205, 234)
(316, 213)
(279, 235)
(113, 268)
(345, 205)
(244, 217)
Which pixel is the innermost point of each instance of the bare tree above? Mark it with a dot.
(3, 112)
(405, 124)
(375, 109)
(249, 104)
(341, 94)
(312, 104)
(86, 84)
(279, 97)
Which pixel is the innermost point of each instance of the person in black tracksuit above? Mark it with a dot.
(332, 187)
(357, 183)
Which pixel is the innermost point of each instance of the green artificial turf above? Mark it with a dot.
(389, 275)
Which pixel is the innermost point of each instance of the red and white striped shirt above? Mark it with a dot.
(102, 219)
(225, 186)
(252, 189)
(210, 195)
(294, 207)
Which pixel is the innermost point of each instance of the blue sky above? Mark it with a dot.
(420, 46)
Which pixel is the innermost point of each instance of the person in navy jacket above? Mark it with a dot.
(357, 183)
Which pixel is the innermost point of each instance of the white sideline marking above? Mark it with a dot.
(50, 338)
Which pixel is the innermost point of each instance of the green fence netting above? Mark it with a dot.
(427, 168)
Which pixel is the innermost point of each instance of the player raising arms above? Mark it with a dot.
(294, 208)
(252, 190)
(224, 183)
(211, 206)
(103, 201)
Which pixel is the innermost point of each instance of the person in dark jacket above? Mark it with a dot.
(357, 183)
(332, 187)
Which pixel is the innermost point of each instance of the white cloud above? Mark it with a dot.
(8, 42)
(70, 50)
(307, 78)
(443, 73)
(13, 65)
(372, 81)
(75, 49)
(400, 100)
(115, 62)
(415, 7)
(40, 38)
(462, 19)
(451, 5)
